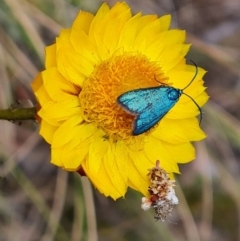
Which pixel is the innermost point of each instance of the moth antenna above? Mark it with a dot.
(193, 76)
(199, 108)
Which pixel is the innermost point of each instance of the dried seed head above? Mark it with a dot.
(162, 195)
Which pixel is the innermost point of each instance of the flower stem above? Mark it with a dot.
(18, 114)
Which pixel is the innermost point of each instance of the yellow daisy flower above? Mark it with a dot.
(91, 64)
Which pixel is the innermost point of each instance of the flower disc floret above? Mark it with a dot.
(109, 80)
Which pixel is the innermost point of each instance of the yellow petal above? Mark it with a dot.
(152, 28)
(56, 156)
(171, 56)
(47, 131)
(82, 22)
(202, 99)
(94, 34)
(180, 79)
(84, 46)
(103, 182)
(97, 150)
(55, 113)
(183, 109)
(175, 37)
(182, 153)
(72, 65)
(69, 69)
(37, 82)
(145, 20)
(69, 159)
(57, 86)
(66, 131)
(72, 159)
(114, 172)
(101, 13)
(149, 32)
(74, 145)
(72, 131)
(50, 60)
(122, 159)
(180, 131)
(103, 27)
(42, 95)
(156, 150)
(163, 40)
(138, 170)
(164, 22)
(113, 30)
(154, 49)
(128, 33)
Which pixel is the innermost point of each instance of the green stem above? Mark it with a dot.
(18, 114)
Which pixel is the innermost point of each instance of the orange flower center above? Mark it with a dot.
(110, 79)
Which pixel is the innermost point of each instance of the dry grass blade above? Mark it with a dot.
(231, 186)
(20, 153)
(19, 56)
(186, 216)
(42, 18)
(27, 24)
(230, 124)
(205, 227)
(90, 210)
(36, 198)
(79, 210)
(57, 208)
(216, 53)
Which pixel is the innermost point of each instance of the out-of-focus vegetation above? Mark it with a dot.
(39, 202)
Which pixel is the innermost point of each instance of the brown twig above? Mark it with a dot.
(18, 114)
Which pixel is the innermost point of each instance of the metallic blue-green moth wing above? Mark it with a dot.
(149, 105)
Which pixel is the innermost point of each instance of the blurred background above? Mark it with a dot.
(39, 202)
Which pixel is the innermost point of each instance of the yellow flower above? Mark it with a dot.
(91, 64)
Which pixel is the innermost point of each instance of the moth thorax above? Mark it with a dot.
(174, 94)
